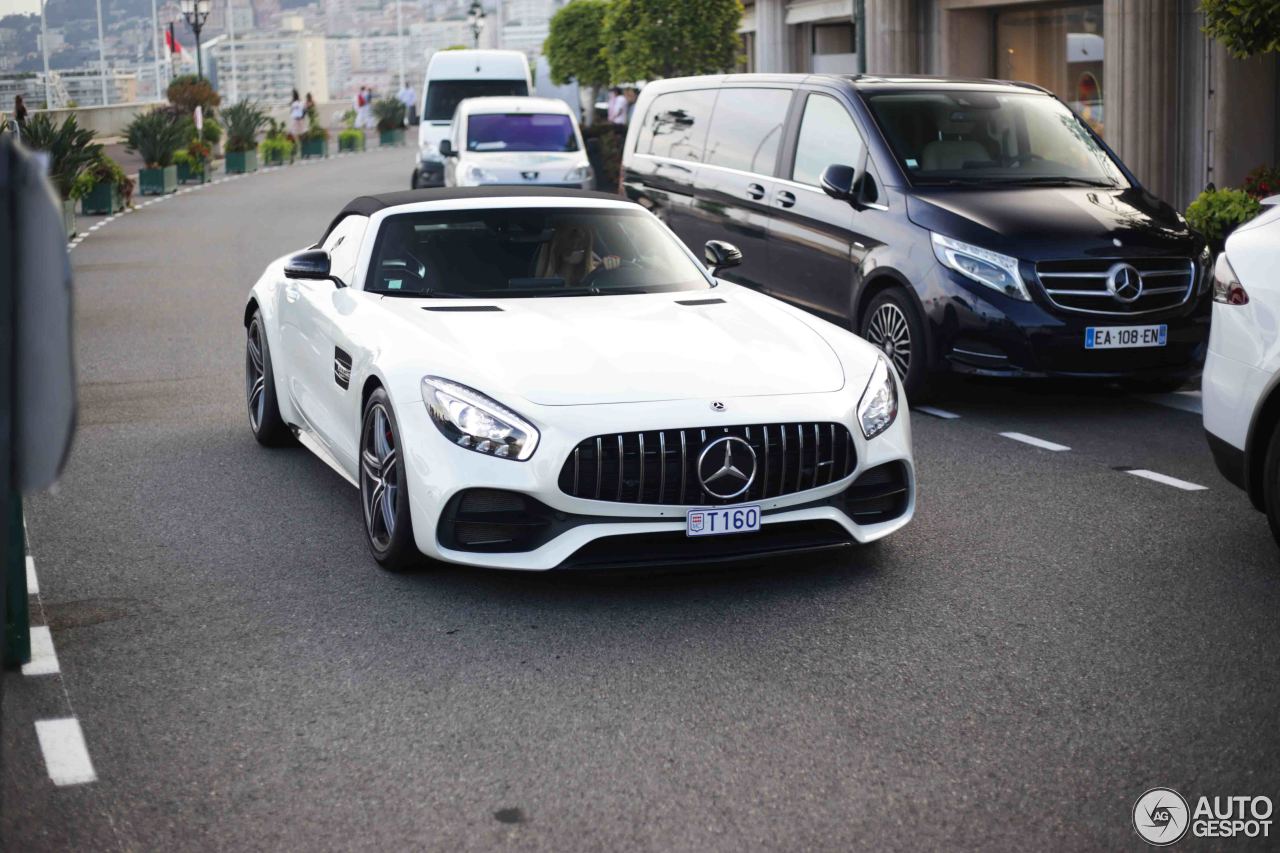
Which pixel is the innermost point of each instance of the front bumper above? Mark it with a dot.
(430, 174)
(438, 472)
(974, 330)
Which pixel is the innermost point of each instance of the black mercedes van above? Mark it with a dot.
(976, 226)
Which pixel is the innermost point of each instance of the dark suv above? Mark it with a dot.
(976, 226)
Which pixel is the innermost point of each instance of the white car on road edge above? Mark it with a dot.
(1241, 382)
(539, 379)
(515, 141)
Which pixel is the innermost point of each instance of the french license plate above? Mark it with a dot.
(714, 522)
(1125, 337)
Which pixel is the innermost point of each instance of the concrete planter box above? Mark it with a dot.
(189, 173)
(277, 159)
(158, 181)
(102, 200)
(351, 143)
(391, 137)
(69, 217)
(240, 162)
(315, 148)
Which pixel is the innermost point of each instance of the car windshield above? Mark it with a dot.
(443, 96)
(946, 138)
(529, 252)
(520, 132)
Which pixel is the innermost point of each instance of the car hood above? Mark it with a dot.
(548, 166)
(1040, 223)
(625, 349)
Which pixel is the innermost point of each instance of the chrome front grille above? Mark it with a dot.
(661, 466)
(1082, 285)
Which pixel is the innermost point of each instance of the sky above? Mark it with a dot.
(19, 7)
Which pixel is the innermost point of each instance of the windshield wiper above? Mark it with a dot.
(1057, 180)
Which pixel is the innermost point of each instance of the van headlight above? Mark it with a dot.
(429, 151)
(474, 176)
(578, 174)
(996, 271)
(470, 419)
(878, 408)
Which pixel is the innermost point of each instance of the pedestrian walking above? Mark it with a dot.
(617, 106)
(409, 98)
(364, 108)
(298, 113)
(630, 95)
(309, 108)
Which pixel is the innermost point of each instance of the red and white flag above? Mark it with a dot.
(171, 43)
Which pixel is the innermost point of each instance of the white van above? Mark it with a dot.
(452, 76)
(515, 142)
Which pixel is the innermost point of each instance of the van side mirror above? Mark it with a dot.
(842, 182)
(311, 265)
(446, 148)
(720, 255)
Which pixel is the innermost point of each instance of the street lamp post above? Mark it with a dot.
(195, 12)
(475, 18)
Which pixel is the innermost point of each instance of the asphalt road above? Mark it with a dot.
(1048, 639)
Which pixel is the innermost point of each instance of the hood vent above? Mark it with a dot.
(448, 308)
(713, 301)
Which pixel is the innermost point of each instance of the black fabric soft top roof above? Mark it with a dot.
(367, 205)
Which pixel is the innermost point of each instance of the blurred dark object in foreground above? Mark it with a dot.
(37, 380)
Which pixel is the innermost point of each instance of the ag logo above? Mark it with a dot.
(1161, 816)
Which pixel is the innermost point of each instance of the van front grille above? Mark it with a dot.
(1088, 286)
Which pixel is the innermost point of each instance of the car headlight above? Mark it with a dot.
(578, 174)
(996, 271)
(429, 151)
(476, 175)
(470, 419)
(878, 407)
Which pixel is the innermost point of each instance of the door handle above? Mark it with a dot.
(785, 199)
(755, 191)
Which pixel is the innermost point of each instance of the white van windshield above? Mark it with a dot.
(990, 138)
(443, 96)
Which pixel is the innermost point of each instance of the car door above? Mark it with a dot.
(668, 154)
(311, 323)
(735, 186)
(817, 241)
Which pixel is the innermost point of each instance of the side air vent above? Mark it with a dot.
(714, 301)
(453, 308)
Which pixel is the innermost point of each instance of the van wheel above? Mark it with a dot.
(1271, 483)
(891, 325)
(413, 182)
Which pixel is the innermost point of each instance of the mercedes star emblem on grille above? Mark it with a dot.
(717, 406)
(1124, 282)
(529, 176)
(727, 467)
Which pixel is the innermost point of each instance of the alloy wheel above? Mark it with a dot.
(888, 330)
(379, 477)
(255, 376)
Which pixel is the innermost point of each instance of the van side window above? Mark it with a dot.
(746, 130)
(827, 136)
(676, 125)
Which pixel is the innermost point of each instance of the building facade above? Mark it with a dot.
(1168, 99)
(267, 67)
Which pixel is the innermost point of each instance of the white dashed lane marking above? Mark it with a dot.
(44, 660)
(65, 755)
(937, 413)
(1165, 479)
(1035, 442)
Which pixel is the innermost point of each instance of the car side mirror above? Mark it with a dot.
(311, 265)
(720, 255)
(446, 148)
(842, 183)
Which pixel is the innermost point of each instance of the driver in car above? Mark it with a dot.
(571, 256)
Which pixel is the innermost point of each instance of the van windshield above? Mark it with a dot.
(443, 96)
(956, 138)
(520, 132)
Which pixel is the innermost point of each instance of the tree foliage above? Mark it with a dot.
(155, 135)
(575, 44)
(71, 148)
(187, 92)
(646, 39)
(1244, 27)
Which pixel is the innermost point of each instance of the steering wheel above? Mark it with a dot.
(589, 279)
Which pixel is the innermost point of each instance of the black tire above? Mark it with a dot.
(260, 389)
(892, 325)
(413, 182)
(384, 494)
(1271, 483)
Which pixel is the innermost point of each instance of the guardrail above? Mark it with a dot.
(109, 122)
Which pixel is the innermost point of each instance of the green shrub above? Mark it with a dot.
(277, 148)
(155, 135)
(390, 113)
(314, 130)
(186, 92)
(243, 121)
(104, 170)
(71, 148)
(350, 137)
(1216, 213)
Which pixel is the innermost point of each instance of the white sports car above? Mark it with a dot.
(539, 379)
